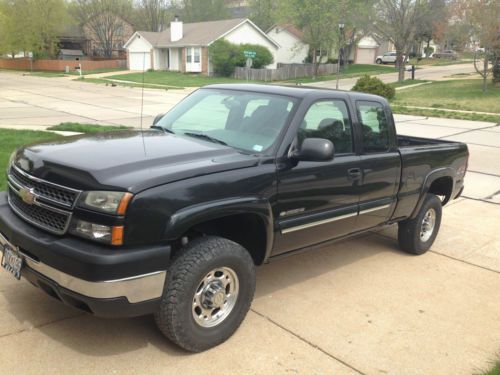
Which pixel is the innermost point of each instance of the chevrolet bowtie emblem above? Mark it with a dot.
(27, 195)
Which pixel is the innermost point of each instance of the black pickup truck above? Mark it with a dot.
(172, 220)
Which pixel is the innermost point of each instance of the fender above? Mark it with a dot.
(182, 220)
(429, 179)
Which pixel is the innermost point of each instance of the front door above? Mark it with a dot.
(193, 59)
(318, 201)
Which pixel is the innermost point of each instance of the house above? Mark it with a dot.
(184, 46)
(84, 38)
(290, 38)
(366, 50)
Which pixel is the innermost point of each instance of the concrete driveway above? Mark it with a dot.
(358, 307)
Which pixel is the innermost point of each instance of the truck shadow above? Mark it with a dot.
(97, 337)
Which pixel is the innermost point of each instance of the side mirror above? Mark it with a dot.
(158, 118)
(315, 149)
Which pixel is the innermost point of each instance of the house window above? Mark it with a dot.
(193, 55)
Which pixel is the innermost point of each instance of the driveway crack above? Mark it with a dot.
(308, 342)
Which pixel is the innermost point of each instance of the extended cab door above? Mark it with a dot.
(380, 164)
(318, 201)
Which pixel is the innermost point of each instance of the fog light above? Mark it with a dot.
(98, 232)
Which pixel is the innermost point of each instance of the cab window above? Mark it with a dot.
(375, 126)
(329, 119)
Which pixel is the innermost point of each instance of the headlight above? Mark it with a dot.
(98, 232)
(110, 202)
(11, 160)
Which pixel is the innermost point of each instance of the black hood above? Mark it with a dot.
(127, 160)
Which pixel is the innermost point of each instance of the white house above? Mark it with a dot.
(366, 50)
(184, 46)
(292, 48)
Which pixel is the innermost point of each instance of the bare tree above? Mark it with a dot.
(105, 20)
(155, 14)
(398, 21)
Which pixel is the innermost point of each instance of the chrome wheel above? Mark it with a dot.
(428, 224)
(215, 297)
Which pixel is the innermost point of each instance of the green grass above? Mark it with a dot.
(456, 94)
(175, 79)
(11, 139)
(445, 114)
(107, 82)
(96, 71)
(48, 74)
(437, 62)
(495, 370)
(86, 128)
(407, 82)
(353, 70)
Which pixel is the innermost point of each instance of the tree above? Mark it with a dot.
(203, 10)
(104, 19)
(154, 14)
(398, 21)
(431, 25)
(32, 25)
(318, 21)
(484, 18)
(262, 13)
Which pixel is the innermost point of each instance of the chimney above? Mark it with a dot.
(176, 30)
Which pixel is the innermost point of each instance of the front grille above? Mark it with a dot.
(51, 192)
(46, 218)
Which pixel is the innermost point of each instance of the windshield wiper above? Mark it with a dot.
(207, 137)
(162, 128)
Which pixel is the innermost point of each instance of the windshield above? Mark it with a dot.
(244, 120)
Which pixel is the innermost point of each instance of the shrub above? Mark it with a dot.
(373, 85)
(225, 56)
(428, 51)
(262, 58)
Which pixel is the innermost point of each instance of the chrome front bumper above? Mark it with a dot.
(135, 289)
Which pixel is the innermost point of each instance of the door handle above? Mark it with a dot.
(354, 173)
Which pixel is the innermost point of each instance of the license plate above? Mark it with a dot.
(12, 262)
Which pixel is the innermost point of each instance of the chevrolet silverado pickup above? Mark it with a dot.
(172, 220)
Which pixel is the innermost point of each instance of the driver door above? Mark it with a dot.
(318, 201)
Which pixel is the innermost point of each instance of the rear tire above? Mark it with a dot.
(378, 61)
(208, 292)
(417, 235)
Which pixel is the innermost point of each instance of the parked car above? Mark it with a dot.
(448, 54)
(172, 220)
(389, 58)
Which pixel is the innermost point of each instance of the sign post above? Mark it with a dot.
(30, 55)
(250, 55)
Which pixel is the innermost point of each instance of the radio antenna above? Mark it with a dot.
(142, 100)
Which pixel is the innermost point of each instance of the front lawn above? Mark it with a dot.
(407, 82)
(457, 94)
(86, 128)
(11, 139)
(353, 70)
(175, 79)
(437, 62)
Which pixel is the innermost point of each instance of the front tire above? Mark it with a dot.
(417, 235)
(208, 292)
(378, 61)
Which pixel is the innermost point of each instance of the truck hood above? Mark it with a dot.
(127, 160)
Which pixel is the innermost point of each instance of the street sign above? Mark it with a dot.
(250, 54)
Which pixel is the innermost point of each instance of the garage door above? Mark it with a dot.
(139, 60)
(365, 56)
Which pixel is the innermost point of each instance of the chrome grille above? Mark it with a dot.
(41, 216)
(40, 202)
(51, 192)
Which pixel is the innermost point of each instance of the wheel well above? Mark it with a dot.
(442, 186)
(248, 230)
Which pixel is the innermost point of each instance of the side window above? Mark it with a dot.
(375, 126)
(329, 119)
